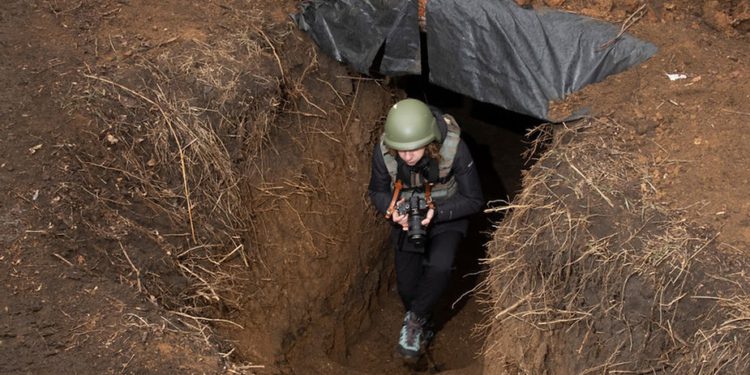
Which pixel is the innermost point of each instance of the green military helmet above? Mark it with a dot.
(410, 125)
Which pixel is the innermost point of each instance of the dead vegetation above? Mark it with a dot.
(589, 258)
(178, 129)
(213, 185)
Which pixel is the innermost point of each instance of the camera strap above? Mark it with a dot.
(397, 187)
(396, 192)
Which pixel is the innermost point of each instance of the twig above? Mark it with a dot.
(240, 246)
(183, 169)
(305, 114)
(360, 78)
(333, 89)
(50, 65)
(312, 104)
(112, 45)
(464, 294)
(126, 364)
(137, 271)
(63, 259)
(210, 288)
(275, 54)
(145, 323)
(513, 306)
(736, 112)
(110, 12)
(165, 42)
(327, 135)
(56, 12)
(199, 318)
(180, 255)
(588, 181)
(351, 109)
(506, 208)
(630, 21)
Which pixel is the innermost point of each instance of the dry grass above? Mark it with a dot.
(588, 253)
(177, 131)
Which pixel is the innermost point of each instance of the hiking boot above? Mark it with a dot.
(410, 342)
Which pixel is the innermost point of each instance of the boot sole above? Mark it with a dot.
(407, 356)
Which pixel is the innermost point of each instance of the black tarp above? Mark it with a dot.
(353, 31)
(491, 50)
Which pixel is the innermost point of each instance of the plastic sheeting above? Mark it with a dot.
(353, 32)
(493, 51)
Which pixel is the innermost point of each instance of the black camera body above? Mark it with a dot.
(415, 208)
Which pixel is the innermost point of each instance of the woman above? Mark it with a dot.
(421, 153)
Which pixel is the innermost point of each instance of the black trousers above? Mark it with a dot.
(423, 277)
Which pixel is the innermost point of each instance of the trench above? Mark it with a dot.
(316, 306)
(497, 139)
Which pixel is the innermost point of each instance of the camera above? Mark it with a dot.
(415, 208)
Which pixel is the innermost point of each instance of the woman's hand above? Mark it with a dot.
(428, 217)
(399, 219)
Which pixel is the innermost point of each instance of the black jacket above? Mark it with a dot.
(451, 214)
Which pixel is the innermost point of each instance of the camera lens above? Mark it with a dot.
(417, 232)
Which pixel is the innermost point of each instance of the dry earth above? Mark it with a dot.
(94, 226)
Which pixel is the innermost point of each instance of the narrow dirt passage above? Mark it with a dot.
(497, 141)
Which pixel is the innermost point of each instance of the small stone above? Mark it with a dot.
(112, 139)
(36, 307)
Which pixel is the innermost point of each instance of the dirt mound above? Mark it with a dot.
(624, 253)
(608, 277)
(195, 168)
(731, 17)
(221, 146)
(69, 257)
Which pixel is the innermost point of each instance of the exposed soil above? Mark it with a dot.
(648, 178)
(695, 124)
(104, 269)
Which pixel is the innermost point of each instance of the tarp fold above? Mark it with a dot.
(493, 51)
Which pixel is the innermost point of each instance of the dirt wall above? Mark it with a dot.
(321, 258)
(624, 252)
(219, 169)
(591, 273)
